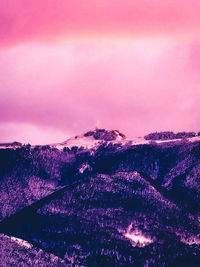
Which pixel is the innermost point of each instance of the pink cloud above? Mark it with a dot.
(24, 20)
(136, 85)
(133, 65)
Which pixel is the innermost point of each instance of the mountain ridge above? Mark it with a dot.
(118, 203)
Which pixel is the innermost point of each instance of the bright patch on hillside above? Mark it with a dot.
(137, 237)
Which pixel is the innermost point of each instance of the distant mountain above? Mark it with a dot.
(92, 138)
(10, 145)
(99, 199)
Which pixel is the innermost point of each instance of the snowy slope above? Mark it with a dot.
(91, 142)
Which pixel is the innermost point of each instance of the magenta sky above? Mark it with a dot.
(134, 65)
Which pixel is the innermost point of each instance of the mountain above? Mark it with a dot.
(12, 145)
(92, 138)
(113, 203)
(17, 252)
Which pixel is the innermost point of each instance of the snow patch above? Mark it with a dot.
(89, 142)
(86, 142)
(192, 240)
(84, 166)
(21, 242)
(137, 237)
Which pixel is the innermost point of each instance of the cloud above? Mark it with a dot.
(137, 85)
(39, 20)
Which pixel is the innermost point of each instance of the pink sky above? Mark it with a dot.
(134, 65)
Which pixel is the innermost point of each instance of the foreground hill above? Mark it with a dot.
(112, 220)
(16, 252)
(114, 204)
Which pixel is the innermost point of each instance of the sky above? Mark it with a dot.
(132, 65)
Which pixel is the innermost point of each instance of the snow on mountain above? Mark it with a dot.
(86, 142)
(13, 145)
(94, 138)
(137, 237)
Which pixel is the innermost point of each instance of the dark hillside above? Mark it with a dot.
(88, 222)
(114, 205)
